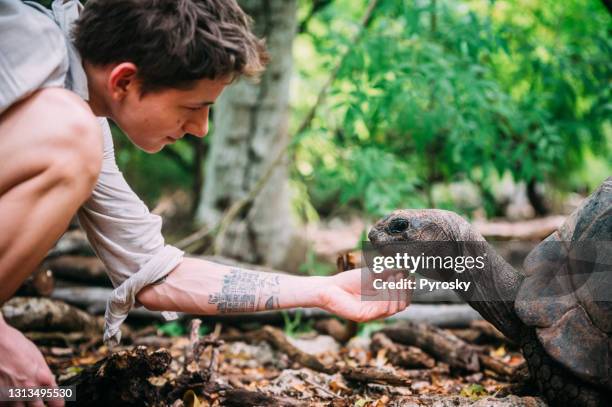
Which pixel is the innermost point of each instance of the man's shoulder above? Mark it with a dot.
(33, 52)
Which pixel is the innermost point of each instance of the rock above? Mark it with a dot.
(244, 355)
(359, 342)
(318, 345)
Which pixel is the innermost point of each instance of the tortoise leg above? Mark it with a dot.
(558, 386)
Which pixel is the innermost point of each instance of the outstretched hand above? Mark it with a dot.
(342, 295)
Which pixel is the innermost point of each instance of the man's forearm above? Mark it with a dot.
(201, 287)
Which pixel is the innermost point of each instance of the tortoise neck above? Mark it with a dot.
(493, 287)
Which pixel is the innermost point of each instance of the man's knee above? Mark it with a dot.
(52, 134)
(74, 140)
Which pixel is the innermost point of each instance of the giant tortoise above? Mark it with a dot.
(559, 309)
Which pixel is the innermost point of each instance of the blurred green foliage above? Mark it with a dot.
(442, 91)
(296, 326)
(150, 175)
(177, 328)
(367, 329)
(314, 266)
(172, 329)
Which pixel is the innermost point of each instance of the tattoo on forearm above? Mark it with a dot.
(245, 291)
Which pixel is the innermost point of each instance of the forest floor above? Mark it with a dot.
(267, 367)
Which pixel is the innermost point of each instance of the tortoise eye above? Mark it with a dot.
(398, 225)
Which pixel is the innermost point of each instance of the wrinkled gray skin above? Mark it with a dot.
(439, 225)
(553, 308)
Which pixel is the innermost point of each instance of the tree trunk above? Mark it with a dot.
(251, 121)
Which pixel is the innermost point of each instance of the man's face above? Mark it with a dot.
(160, 118)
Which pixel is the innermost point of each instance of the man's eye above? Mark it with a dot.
(193, 109)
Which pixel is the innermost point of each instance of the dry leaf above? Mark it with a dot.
(337, 386)
(190, 399)
(473, 391)
(360, 402)
(157, 381)
(499, 352)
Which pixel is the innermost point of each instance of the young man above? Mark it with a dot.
(154, 67)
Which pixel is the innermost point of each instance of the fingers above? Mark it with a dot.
(47, 379)
(395, 297)
(403, 303)
(352, 304)
(404, 298)
(407, 297)
(401, 296)
(388, 297)
(389, 301)
(35, 403)
(55, 402)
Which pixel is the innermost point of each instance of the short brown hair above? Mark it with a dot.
(172, 42)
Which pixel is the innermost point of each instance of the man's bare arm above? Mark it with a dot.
(202, 287)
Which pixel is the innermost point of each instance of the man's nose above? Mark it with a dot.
(197, 126)
(198, 129)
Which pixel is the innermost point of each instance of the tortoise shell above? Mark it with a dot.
(567, 292)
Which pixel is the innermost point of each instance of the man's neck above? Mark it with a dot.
(96, 79)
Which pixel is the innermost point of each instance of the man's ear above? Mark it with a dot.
(122, 79)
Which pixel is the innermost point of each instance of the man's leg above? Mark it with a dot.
(50, 157)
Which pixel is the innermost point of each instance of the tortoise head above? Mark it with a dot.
(411, 225)
(492, 288)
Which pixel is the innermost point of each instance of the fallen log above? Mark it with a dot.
(374, 375)
(60, 338)
(442, 315)
(243, 397)
(497, 366)
(400, 355)
(72, 242)
(487, 329)
(84, 269)
(441, 344)
(47, 315)
(445, 315)
(473, 336)
(39, 284)
(342, 332)
(93, 300)
(387, 377)
(533, 229)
